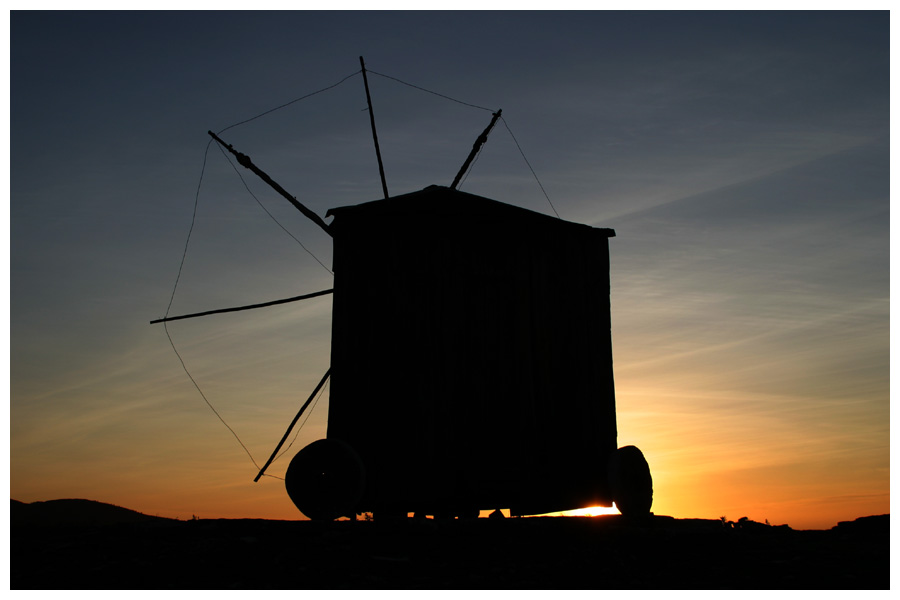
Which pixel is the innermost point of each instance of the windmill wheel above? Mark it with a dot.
(326, 480)
(630, 481)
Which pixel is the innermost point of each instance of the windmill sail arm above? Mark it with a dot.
(248, 307)
(294, 422)
(475, 147)
(245, 161)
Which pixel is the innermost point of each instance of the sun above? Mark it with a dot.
(591, 511)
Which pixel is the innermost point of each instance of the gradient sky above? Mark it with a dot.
(742, 158)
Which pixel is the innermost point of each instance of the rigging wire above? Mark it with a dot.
(530, 167)
(205, 399)
(271, 216)
(172, 298)
(191, 229)
(188, 240)
(479, 152)
(271, 110)
(429, 91)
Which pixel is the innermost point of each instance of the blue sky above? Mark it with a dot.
(743, 159)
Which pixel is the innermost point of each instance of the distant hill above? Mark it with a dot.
(74, 512)
(873, 523)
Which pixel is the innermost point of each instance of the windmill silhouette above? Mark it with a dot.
(471, 363)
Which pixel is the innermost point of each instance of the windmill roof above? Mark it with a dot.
(443, 202)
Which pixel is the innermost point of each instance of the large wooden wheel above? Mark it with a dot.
(630, 481)
(326, 480)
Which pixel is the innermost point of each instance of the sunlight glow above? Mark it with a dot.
(591, 511)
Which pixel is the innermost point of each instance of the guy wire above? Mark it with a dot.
(529, 166)
(172, 298)
(191, 230)
(205, 399)
(429, 91)
(271, 216)
(479, 152)
(271, 110)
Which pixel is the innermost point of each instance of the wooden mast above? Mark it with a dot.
(374, 133)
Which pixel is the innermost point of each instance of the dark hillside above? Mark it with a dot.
(73, 512)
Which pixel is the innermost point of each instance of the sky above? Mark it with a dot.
(741, 157)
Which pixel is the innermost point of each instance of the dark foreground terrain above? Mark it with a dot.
(78, 544)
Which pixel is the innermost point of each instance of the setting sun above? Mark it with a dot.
(590, 511)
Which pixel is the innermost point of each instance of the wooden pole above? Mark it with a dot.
(291, 426)
(478, 143)
(245, 161)
(238, 308)
(374, 133)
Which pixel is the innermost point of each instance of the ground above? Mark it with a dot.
(609, 552)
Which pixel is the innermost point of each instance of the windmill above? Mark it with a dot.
(471, 362)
